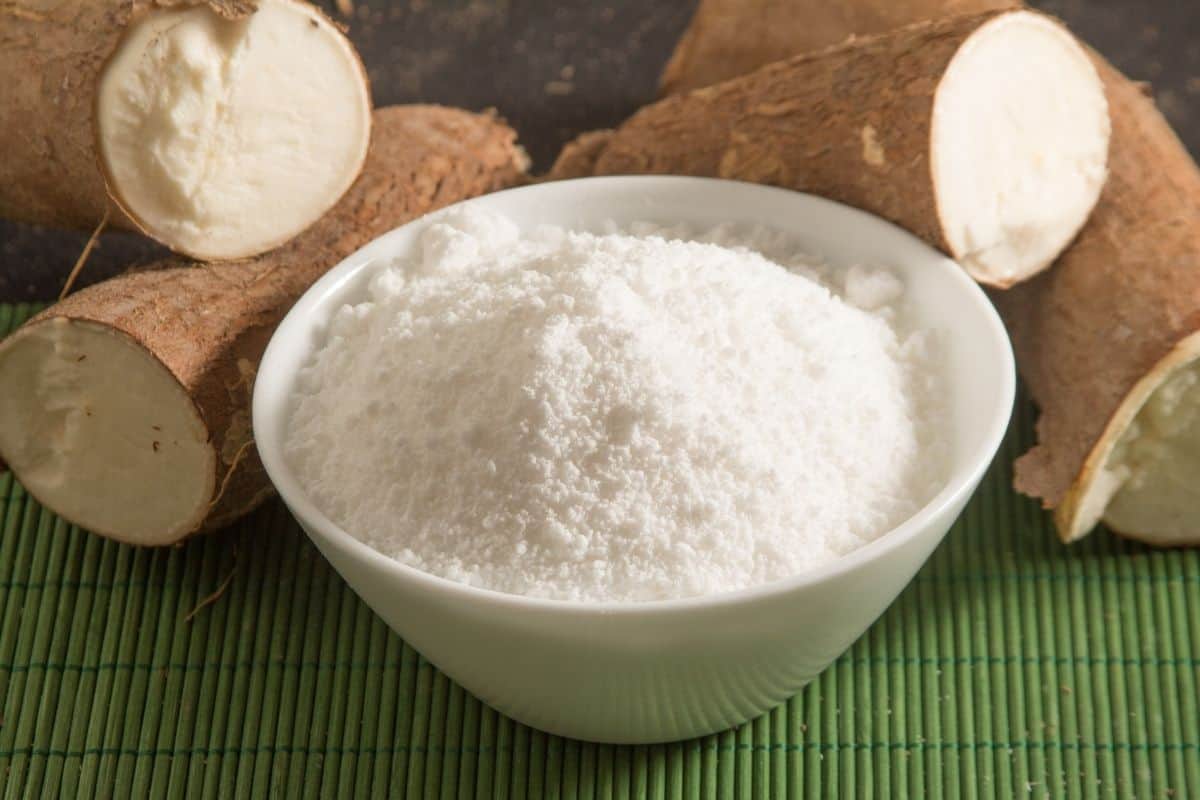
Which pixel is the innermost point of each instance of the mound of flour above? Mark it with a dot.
(617, 417)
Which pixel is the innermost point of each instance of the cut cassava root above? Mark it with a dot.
(134, 418)
(1109, 340)
(986, 135)
(220, 128)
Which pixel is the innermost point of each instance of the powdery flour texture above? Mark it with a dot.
(628, 416)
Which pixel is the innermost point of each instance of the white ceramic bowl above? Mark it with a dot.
(673, 669)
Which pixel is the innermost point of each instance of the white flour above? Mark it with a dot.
(617, 417)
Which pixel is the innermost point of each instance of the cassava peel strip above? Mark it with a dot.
(135, 392)
(223, 94)
(907, 125)
(727, 38)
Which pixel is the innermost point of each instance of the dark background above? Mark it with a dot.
(555, 68)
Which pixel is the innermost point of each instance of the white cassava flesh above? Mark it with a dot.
(97, 426)
(1140, 479)
(224, 138)
(1158, 499)
(1019, 143)
(987, 135)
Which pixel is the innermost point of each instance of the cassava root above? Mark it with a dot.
(1107, 340)
(222, 128)
(134, 417)
(984, 134)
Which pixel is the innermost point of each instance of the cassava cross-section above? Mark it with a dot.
(986, 134)
(222, 129)
(134, 420)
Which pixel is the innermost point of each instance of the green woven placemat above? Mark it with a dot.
(1012, 666)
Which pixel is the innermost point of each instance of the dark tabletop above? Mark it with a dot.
(555, 68)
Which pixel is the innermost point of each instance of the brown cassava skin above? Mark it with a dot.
(208, 324)
(727, 38)
(578, 156)
(51, 55)
(1117, 301)
(851, 123)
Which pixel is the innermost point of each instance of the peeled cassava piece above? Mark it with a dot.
(1109, 340)
(134, 416)
(222, 129)
(986, 135)
(727, 38)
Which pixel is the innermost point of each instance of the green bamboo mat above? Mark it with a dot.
(1012, 666)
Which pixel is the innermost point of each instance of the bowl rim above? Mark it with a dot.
(301, 320)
